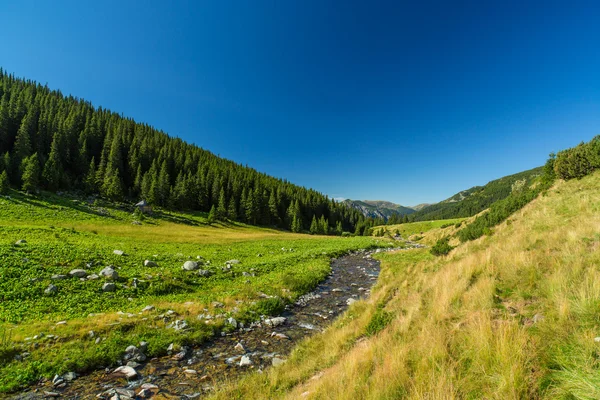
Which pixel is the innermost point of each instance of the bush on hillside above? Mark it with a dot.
(442, 247)
(578, 161)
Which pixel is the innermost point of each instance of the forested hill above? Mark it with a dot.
(476, 199)
(54, 142)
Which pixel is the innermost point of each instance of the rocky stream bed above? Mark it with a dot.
(189, 373)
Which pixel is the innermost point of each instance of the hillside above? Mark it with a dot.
(378, 208)
(53, 142)
(510, 315)
(476, 199)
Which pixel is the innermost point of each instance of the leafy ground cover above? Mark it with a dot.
(78, 326)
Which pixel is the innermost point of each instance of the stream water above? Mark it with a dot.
(197, 371)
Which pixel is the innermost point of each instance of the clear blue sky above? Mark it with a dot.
(402, 101)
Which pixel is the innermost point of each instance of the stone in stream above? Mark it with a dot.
(190, 266)
(245, 361)
(51, 289)
(126, 371)
(70, 376)
(279, 335)
(150, 263)
(78, 273)
(350, 301)
(240, 347)
(276, 321)
(109, 287)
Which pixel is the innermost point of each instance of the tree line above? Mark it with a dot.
(54, 142)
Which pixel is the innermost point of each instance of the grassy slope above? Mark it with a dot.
(512, 315)
(64, 233)
(415, 228)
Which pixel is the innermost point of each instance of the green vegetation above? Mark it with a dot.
(578, 161)
(408, 229)
(442, 247)
(472, 201)
(63, 233)
(510, 316)
(53, 142)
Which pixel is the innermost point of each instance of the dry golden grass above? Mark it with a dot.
(509, 316)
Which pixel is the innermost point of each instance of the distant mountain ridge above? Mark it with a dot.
(467, 203)
(378, 208)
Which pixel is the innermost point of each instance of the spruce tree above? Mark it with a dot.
(4, 185)
(296, 224)
(314, 226)
(232, 210)
(212, 215)
(338, 228)
(222, 206)
(323, 225)
(31, 174)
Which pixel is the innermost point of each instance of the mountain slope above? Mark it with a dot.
(476, 199)
(378, 208)
(511, 315)
(54, 142)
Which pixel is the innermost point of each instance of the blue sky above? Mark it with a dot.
(403, 101)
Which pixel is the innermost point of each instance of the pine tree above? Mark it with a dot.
(113, 187)
(323, 225)
(273, 209)
(296, 224)
(222, 207)
(212, 215)
(53, 169)
(31, 174)
(232, 210)
(90, 178)
(314, 226)
(4, 186)
(338, 228)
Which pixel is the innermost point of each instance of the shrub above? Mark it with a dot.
(378, 322)
(442, 247)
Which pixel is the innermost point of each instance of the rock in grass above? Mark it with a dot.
(204, 273)
(51, 289)
(148, 309)
(78, 273)
(119, 253)
(109, 287)
(245, 361)
(179, 325)
(276, 361)
(125, 371)
(190, 266)
(232, 262)
(20, 242)
(150, 263)
(110, 273)
(58, 277)
(231, 321)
